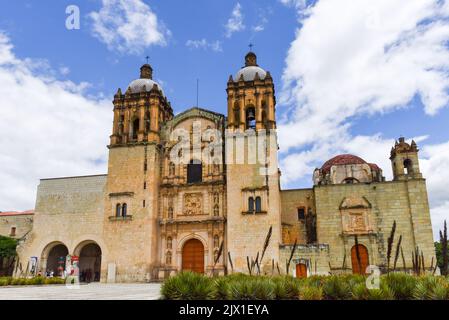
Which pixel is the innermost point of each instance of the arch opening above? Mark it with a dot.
(408, 166)
(56, 259)
(90, 262)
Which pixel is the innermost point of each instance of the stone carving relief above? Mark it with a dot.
(356, 216)
(193, 204)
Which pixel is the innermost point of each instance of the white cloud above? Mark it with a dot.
(363, 57)
(128, 26)
(64, 70)
(204, 44)
(49, 128)
(434, 162)
(235, 22)
(262, 19)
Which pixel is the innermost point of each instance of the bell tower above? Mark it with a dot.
(404, 160)
(253, 195)
(139, 113)
(132, 187)
(251, 97)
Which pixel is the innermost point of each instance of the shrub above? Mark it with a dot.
(361, 292)
(286, 288)
(336, 288)
(402, 285)
(256, 288)
(188, 286)
(55, 280)
(36, 281)
(431, 288)
(5, 281)
(311, 293)
(222, 288)
(314, 281)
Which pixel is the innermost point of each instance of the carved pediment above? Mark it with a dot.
(354, 202)
(193, 204)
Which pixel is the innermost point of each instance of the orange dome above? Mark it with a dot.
(342, 159)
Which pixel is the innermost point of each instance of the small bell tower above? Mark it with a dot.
(404, 160)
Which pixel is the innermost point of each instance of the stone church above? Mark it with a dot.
(200, 191)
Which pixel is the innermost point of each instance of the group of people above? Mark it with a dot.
(89, 276)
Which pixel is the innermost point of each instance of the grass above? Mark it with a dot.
(10, 281)
(393, 286)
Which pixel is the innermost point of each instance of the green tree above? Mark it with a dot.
(7, 247)
(442, 251)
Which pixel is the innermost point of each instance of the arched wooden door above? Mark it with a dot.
(193, 256)
(301, 270)
(359, 267)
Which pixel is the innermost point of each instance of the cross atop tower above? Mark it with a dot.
(147, 58)
(251, 46)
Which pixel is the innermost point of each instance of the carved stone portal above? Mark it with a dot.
(193, 204)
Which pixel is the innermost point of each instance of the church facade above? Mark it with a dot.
(201, 191)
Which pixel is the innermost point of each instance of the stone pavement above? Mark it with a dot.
(92, 291)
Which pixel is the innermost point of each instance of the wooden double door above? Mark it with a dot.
(193, 256)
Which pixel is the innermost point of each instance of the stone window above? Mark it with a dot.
(118, 210)
(350, 181)
(408, 166)
(301, 213)
(124, 210)
(251, 204)
(147, 122)
(144, 185)
(135, 128)
(170, 213)
(143, 203)
(194, 171)
(12, 232)
(250, 118)
(258, 205)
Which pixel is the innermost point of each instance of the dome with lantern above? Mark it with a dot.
(249, 71)
(146, 82)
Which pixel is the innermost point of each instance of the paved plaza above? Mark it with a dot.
(93, 291)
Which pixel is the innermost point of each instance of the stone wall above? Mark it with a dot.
(68, 211)
(315, 257)
(291, 201)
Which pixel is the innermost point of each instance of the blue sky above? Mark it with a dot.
(37, 29)
(350, 77)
